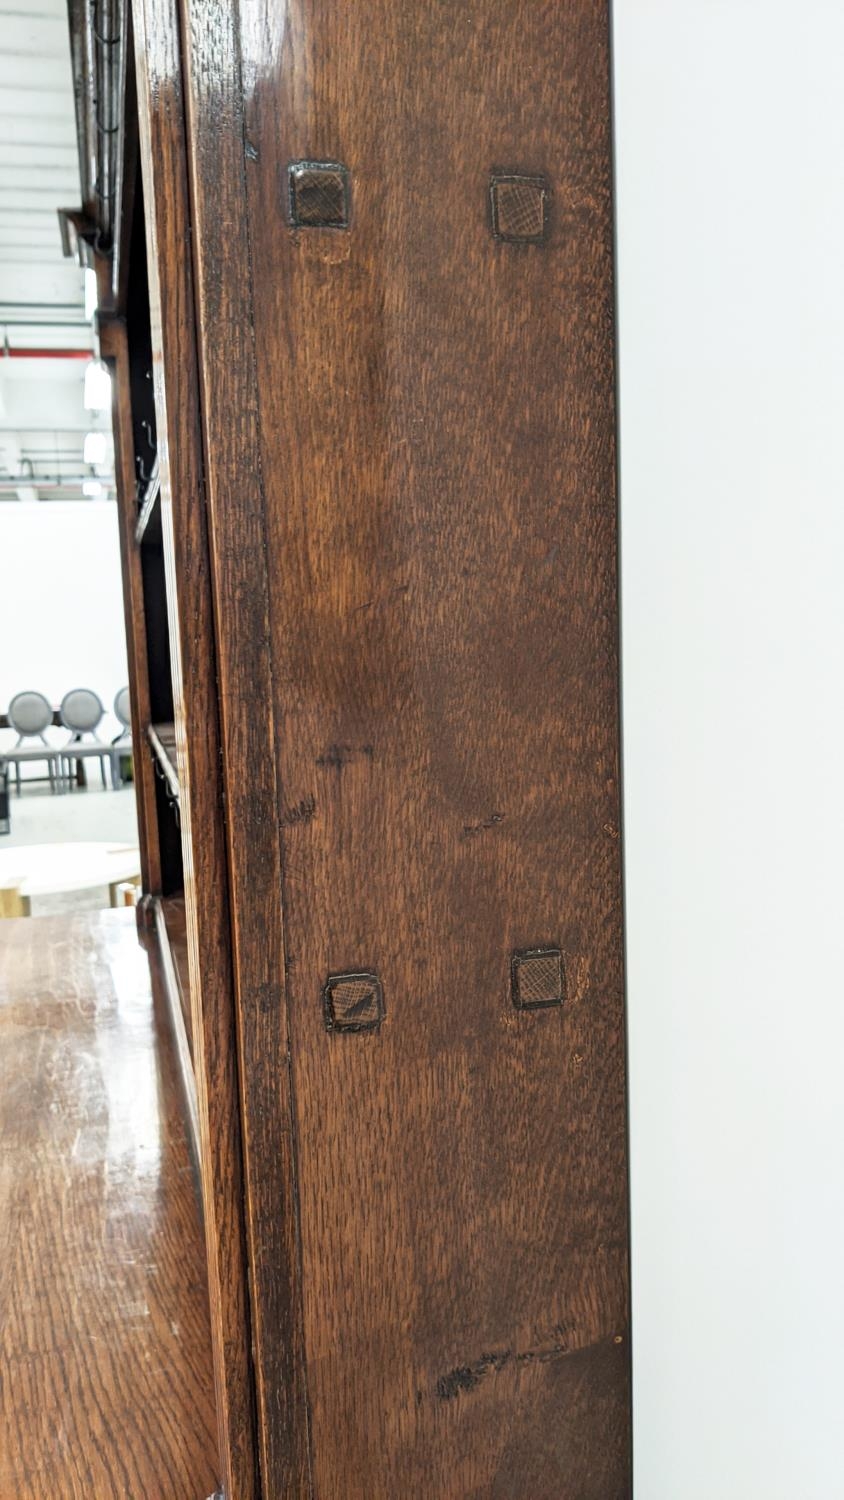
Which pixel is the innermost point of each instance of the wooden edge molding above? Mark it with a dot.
(177, 1021)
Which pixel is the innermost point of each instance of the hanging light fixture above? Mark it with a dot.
(94, 449)
(97, 386)
(91, 298)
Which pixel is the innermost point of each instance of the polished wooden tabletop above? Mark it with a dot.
(105, 1358)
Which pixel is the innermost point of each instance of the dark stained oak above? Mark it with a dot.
(172, 956)
(196, 676)
(240, 567)
(379, 242)
(174, 925)
(106, 1384)
(147, 307)
(409, 435)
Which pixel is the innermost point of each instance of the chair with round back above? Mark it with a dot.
(122, 745)
(123, 707)
(82, 712)
(30, 714)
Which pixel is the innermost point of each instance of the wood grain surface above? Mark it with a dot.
(106, 1386)
(173, 963)
(240, 564)
(207, 932)
(436, 412)
(409, 445)
(173, 926)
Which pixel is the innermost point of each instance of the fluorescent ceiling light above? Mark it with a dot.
(97, 386)
(90, 293)
(91, 487)
(94, 451)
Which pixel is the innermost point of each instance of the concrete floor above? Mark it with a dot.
(39, 817)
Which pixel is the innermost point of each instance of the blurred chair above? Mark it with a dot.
(82, 712)
(30, 714)
(122, 745)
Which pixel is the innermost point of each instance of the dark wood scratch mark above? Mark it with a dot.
(361, 1006)
(468, 1377)
(470, 829)
(342, 755)
(401, 588)
(303, 811)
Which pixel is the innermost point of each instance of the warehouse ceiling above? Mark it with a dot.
(47, 341)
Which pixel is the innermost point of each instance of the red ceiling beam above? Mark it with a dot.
(46, 354)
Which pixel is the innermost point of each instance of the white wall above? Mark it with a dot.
(61, 606)
(730, 157)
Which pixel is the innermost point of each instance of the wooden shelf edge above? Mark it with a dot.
(175, 977)
(151, 498)
(162, 741)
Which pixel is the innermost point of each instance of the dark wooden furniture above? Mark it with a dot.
(355, 269)
(105, 1341)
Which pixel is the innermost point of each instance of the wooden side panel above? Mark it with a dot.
(164, 163)
(409, 439)
(436, 407)
(239, 562)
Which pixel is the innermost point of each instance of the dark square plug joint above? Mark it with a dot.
(538, 978)
(318, 195)
(353, 1002)
(519, 207)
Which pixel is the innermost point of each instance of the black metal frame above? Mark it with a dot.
(5, 801)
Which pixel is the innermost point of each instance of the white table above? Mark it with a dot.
(50, 869)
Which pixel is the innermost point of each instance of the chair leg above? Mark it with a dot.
(102, 759)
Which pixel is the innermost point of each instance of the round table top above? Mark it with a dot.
(48, 869)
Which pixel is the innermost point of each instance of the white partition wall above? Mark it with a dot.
(730, 159)
(61, 605)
